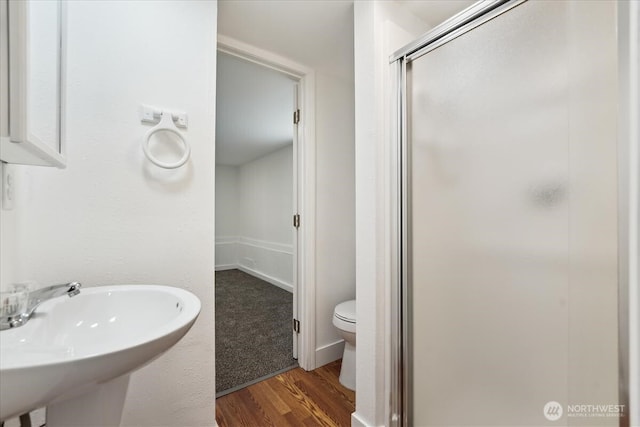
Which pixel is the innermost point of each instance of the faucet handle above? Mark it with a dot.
(13, 314)
(13, 303)
(74, 288)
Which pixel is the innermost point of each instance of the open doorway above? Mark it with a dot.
(256, 221)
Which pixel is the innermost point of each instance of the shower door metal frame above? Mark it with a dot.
(401, 362)
(628, 21)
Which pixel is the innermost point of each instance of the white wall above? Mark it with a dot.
(227, 217)
(254, 207)
(8, 239)
(113, 217)
(380, 29)
(266, 197)
(266, 206)
(335, 215)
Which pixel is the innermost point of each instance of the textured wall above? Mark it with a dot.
(8, 240)
(380, 29)
(112, 216)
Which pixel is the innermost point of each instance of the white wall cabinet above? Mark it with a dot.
(32, 82)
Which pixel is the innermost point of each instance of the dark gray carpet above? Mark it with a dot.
(253, 329)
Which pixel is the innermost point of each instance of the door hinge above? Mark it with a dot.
(296, 220)
(296, 117)
(296, 326)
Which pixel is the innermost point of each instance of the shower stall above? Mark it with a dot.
(509, 249)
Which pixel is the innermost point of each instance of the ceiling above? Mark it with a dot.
(254, 104)
(315, 33)
(434, 12)
(254, 110)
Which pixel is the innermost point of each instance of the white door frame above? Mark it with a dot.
(305, 194)
(629, 206)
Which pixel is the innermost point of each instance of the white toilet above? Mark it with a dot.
(344, 318)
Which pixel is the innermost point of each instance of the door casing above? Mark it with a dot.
(304, 183)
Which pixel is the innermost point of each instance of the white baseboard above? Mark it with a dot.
(328, 353)
(226, 253)
(226, 267)
(269, 261)
(358, 421)
(279, 283)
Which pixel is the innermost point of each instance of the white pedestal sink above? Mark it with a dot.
(75, 354)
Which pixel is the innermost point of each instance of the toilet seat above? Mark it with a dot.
(346, 311)
(344, 319)
(344, 316)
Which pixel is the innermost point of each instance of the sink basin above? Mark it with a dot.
(72, 345)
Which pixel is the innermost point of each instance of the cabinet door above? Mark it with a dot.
(32, 77)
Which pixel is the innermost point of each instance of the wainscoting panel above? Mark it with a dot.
(269, 261)
(226, 253)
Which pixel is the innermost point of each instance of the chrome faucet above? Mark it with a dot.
(34, 299)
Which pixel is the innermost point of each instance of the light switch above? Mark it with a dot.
(8, 187)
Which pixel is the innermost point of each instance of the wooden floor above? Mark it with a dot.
(294, 398)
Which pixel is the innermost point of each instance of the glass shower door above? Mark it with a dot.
(511, 216)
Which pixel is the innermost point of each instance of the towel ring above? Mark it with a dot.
(166, 124)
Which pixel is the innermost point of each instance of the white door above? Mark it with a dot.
(295, 217)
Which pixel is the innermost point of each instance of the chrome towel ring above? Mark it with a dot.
(166, 124)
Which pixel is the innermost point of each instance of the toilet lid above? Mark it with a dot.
(346, 311)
